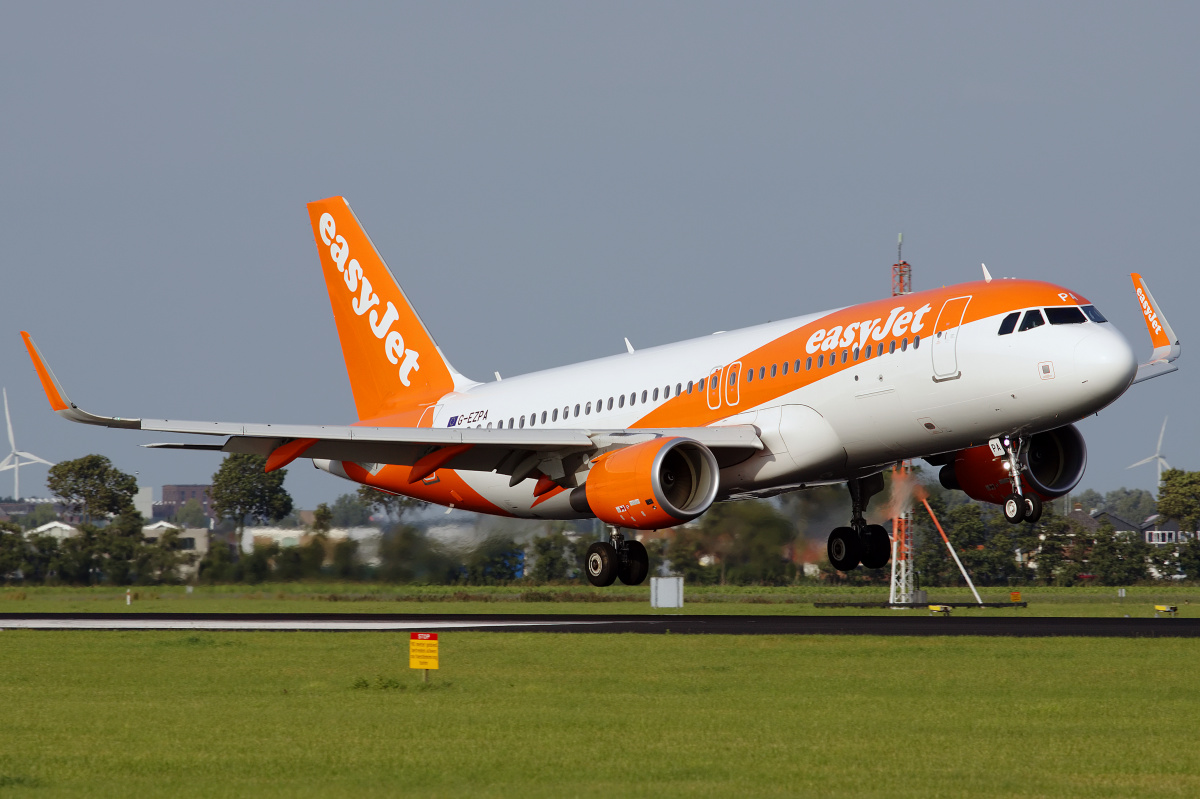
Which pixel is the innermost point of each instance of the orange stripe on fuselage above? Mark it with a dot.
(987, 300)
(449, 489)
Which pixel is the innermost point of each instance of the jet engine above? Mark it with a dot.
(651, 485)
(1053, 464)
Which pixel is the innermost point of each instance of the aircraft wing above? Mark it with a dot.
(1166, 344)
(514, 452)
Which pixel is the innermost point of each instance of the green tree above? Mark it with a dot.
(1132, 505)
(1118, 558)
(408, 555)
(345, 559)
(749, 538)
(1179, 498)
(242, 489)
(349, 510)
(554, 557)
(496, 559)
(394, 506)
(92, 485)
(322, 519)
(688, 549)
(191, 515)
(1189, 557)
(12, 550)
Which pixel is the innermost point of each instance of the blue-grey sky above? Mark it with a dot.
(545, 179)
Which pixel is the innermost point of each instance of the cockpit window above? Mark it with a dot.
(1032, 319)
(1009, 324)
(1091, 313)
(1065, 315)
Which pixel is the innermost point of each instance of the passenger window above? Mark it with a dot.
(867, 354)
(679, 389)
(621, 401)
(543, 417)
(916, 342)
(891, 346)
(807, 364)
(554, 416)
(533, 419)
(500, 425)
(785, 367)
(654, 397)
(644, 395)
(587, 409)
(510, 423)
(522, 422)
(489, 427)
(1009, 324)
(762, 372)
(773, 370)
(1032, 319)
(845, 356)
(855, 353)
(904, 344)
(700, 385)
(732, 377)
(1069, 315)
(566, 411)
(749, 375)
(576, 410)
(1091, 313)
(689, 386)
(610, 403)
(820, 361)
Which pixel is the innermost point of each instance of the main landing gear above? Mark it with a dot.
(618, 558)
(868, 544)
(1018, 506)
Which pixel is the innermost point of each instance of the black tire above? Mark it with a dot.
(843, 548)
(635, 565)
(1014, 508)
(1033, 508)
(601, 564)
(876, 547)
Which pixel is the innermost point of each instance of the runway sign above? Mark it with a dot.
(423, 651)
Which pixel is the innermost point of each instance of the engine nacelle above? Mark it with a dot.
(652, 485)
(1054, 462)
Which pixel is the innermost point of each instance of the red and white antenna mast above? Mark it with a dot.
(902, 540)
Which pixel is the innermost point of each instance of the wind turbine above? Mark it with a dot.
(1157, 456)
(13, 461)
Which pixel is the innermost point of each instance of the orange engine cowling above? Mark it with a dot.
(652, 485)
(1053, 464)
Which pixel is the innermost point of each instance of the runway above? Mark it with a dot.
(656, 624)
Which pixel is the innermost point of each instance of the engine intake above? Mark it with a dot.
(651, 485)
(1053, 461)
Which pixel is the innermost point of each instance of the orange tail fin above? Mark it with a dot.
(393, 363)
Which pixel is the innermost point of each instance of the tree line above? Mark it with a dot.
(735, 543)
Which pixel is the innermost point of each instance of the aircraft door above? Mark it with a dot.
(733, 388)
(944, 340)
(714, 388)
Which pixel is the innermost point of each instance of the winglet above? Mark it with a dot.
(59, 401)
(1166, 345)
(987, 276)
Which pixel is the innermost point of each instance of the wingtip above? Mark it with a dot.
(54, 393)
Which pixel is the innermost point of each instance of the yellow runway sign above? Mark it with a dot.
(423, 651)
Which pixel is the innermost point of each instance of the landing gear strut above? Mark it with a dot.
(868, 544)
(1018, 506)
(618, 558)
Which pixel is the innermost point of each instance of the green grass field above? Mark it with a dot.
(175, 714)
(377, 598)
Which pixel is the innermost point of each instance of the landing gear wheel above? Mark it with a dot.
(876, 547)
(844, 548)
(601, 563)
(1033, 508)
(635, 565)
(1014, 508)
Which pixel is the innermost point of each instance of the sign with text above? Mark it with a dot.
(423, 651)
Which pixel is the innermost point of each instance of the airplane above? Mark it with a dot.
(982, 379)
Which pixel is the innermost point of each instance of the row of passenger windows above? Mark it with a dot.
(646, 396)
(1062, 315)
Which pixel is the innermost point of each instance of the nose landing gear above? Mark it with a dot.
(618, 558)
(1018, 506)
(868, 544)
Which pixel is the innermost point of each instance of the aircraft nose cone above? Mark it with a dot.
(1105, 364)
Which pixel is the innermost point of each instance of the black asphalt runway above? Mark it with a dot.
(674, 625)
